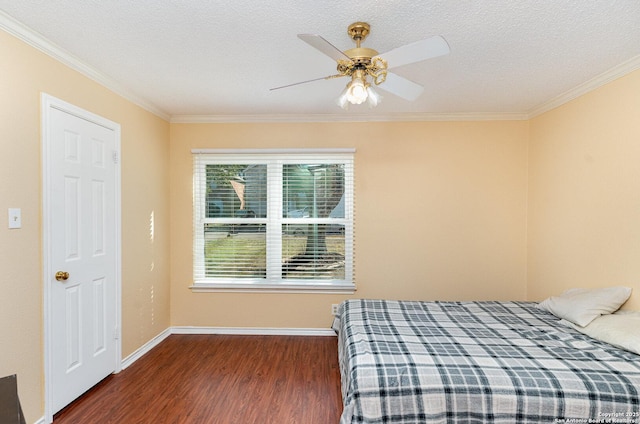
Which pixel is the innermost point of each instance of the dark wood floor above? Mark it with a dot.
(189, 379)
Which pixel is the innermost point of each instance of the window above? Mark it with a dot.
(273, 220)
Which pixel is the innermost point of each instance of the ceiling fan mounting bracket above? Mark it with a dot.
(358, 31)
(361, 57)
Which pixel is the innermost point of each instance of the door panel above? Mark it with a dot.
(82, 316)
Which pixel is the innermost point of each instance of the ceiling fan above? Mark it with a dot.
(362, 63)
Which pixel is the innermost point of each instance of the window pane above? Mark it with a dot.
(313, 190)
(235, 250)
(264, 219)
(313, 251)
(236, 191)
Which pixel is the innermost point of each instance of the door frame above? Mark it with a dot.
(48, 103)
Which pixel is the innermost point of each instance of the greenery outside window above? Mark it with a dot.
(273, 220)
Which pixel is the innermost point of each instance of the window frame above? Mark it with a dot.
(275, 159)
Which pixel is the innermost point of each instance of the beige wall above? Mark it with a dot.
(457, 189)
(24, 74)
(584, 193)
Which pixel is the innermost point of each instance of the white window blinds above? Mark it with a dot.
(273, 220)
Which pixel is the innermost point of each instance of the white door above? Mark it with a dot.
(81, 250)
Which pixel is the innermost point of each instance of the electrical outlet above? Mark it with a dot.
(334, 309)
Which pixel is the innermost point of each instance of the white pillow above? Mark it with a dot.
(621, 329)
(581, 306)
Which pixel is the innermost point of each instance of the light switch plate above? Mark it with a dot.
(15, 218)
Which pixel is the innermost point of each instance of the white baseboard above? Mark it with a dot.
(245, 331)
(254, 331)
(145, 348)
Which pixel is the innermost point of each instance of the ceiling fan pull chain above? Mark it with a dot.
(334, 76)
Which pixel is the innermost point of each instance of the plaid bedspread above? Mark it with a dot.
(477, 362)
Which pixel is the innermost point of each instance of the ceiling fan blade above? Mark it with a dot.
(304, 82)
(417, 51)
(324, 46)
(401, 87)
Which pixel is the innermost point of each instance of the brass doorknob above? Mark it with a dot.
(62, 275)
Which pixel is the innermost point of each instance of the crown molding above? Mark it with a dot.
(612, 74)
(36, 40)
(415, 117)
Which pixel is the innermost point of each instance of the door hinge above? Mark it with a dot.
(116, 333)
(115, 156)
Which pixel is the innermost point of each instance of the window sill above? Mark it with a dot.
(328, 288)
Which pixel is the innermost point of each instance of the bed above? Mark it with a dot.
(502, 362)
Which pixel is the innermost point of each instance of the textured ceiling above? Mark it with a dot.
(219, 59)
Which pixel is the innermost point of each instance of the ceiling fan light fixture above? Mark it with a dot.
(357, 90)
(373, 98)
(342, 100)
